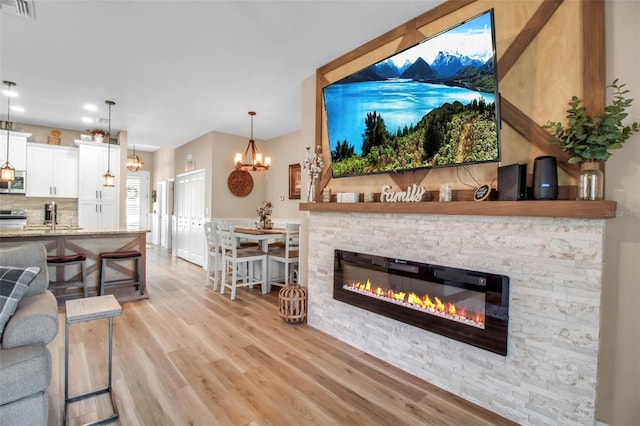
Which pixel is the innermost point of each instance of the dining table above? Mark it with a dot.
(261, 236)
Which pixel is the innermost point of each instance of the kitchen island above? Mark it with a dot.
(72, 240)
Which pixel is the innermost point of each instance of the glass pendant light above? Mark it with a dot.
(108, 179)
(134, 163)
(8, 172)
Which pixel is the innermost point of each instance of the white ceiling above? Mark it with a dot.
(179, 69)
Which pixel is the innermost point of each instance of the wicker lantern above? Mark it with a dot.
(293, 303)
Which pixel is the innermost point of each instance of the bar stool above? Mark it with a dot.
(67, 260)
(119, 256)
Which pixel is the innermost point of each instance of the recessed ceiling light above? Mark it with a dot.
(87, 119)
(17, 108)
(90, 107)
(11, 93)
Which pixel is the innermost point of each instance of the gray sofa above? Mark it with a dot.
(25, 361)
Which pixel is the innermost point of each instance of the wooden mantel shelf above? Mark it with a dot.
(558, 208)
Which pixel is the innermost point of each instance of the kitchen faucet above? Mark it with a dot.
(53, 216)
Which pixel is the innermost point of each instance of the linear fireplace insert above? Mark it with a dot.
(468, 306)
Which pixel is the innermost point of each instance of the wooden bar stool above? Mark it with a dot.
(136, 280)
(67, 260)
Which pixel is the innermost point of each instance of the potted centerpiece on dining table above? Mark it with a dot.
(264, 213)
(589, 139)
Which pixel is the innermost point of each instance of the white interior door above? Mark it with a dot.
(137, 200)
(162, 212)
(190, 194)
(169, 212)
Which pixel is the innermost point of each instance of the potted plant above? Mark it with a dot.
(98, 134)
(264, 211)
(590, 139)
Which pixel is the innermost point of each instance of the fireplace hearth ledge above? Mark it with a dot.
(540, 208)
(555, 267)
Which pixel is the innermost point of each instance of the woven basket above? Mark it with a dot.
(293, 303)
(53, 140)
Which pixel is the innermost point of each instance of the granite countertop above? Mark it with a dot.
(62, 230)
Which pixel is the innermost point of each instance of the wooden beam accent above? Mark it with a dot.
(535, 134)
(441, 11)
(526, 36)
(594, 72)
(594, 69)
(399, 31)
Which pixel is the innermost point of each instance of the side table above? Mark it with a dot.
(88, 309)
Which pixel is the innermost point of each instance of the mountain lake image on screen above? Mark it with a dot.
(434, 104)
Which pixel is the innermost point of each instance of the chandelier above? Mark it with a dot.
(8, 172)
(134, 163)
(108, 179)
(256, 164)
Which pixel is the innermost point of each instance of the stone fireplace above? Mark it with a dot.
(554, 265)
(468, 306)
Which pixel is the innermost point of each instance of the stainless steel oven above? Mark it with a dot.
(18, 186)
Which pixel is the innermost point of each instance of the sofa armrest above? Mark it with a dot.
(32, 254)
(35, 321)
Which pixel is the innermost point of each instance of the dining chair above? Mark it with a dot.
(287, 255)
(214, 253)
(239, 263)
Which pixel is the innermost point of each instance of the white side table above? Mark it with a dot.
(88, 309)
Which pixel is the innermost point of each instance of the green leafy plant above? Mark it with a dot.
(591, 138)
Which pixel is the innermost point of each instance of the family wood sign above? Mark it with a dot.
(413, 194)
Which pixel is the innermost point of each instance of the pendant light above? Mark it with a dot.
(256, 164)
(108, 179)
(134, 163)
(8, 172)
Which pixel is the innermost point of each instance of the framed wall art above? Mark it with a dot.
(295, 181)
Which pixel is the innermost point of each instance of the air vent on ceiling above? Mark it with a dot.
(103, 120)
(23, 8)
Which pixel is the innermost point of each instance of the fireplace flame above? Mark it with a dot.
(425, 303)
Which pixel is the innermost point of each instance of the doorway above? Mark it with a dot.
(137, 200)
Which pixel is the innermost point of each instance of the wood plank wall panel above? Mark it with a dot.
(526, 36)
(535, 78)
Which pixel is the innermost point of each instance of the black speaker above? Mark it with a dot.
(512, 182)
(545, 178)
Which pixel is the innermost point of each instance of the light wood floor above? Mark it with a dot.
(188, 356)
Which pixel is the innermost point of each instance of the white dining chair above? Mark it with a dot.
(214, 253)
(288, 255)
(239, 263)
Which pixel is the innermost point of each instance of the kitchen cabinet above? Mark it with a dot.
(190, 195)
(17, 149)
(98, 206)
(97, 215)
(52, 171)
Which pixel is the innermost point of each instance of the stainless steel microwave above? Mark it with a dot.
(18, 186)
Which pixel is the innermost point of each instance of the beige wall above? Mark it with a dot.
(619, 372)
(284, 150)
(214, 152)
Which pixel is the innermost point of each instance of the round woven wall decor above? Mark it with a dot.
(240, 183)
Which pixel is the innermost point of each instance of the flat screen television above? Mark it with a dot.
(434, 104)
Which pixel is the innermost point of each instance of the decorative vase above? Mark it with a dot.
(311, 192)
(590, 181)
(98, 138)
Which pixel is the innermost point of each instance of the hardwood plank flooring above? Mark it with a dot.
(189, 356)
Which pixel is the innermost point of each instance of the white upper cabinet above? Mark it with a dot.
(17, 149)
(52, 171)
(98, 206)
(94, 162)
